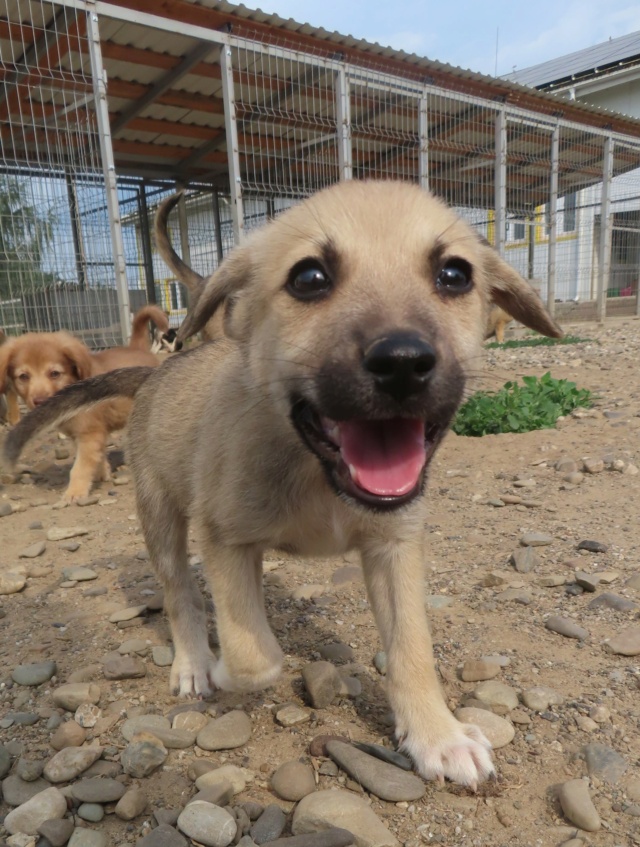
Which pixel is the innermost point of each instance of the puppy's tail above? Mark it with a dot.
(139, 335)
(75, 398)
(192, 280)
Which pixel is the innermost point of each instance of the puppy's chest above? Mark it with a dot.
(319, 528)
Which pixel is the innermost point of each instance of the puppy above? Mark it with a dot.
(350, 322)
(497, 322)
(37, 365)
(9, 409)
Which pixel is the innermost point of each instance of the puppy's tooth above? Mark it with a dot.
(353, 472)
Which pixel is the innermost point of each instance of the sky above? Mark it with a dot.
(463, 32)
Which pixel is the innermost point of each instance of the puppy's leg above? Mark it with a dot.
(90, 448)
(13, 409)
(165, 533)
(440, 745)
(500, 331)
(250, 657)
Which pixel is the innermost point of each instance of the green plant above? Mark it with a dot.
(539, 341)
(520, 408)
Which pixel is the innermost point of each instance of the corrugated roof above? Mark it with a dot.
(609, 55)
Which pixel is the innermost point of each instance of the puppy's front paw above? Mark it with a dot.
(255, 681)
(193, 676)
(462, 754)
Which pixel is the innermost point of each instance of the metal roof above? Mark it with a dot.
(611, 55)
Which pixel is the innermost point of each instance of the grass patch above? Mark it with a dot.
(540, 341)
(520, 408)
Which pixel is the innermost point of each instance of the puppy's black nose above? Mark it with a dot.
(401, 364)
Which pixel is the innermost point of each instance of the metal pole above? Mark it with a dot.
(76, 232)
(108, 164)
(343, 122)
(531, 244)
(553, 221)
(501, 182)
(233, 151)
(606, 225)
(423, 141)
(218, 226)
(145, 236)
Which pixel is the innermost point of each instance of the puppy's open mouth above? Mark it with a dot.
(380, 463)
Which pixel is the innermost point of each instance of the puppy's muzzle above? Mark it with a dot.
(401, 364)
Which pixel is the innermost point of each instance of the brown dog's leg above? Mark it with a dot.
(13, 409)
(500, 332)
(250, 657)
(439, 745)
(88, 464)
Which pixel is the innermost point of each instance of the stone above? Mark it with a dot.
(593, 546)
(92, 812)
(585, 724)
(163, 836)
(499, 732)
(220, 794)
(626, 643)
(226, 733)
(225, 773)
(68, 734)
(292, 715)
(525, 559)
(588, 581)
(307, 592)
(192, 722)
(293, 781)
(566, 627)
(207, 824)
(33, 550)
(70, 763)
(477, 670)
(59, 533)
(322, 682)
(5, 761)
(143, 755)
(592, 466)
(16, 791)
(85, 837)
(29, 769)
(162, 656)
(155, 724)
(577, 805)
(609, 600)
(540, 697)
(127, 614)
(599, 713)
(124, 667)
(380, 778)
(494, 693)
(336, 652)
(11, 582)
(604, 763)
(34, 674)
(87, 715)
(79, 574)
(339, 808)
(437, 601)
(535, 539)
(98, 790)
(380, 662)
(318, 745)
(44, 806)
(131, 804)
(332, 837)
(73, 694)
(269, 825)
(385, 754)
(57, 832)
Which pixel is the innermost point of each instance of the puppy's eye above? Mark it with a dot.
(54, 374)
(455, 277)
(308, 280)
(23, 377)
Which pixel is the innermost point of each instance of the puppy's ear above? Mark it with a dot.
(514, 294)
(78, 355)
(231, 276)
(6, 355)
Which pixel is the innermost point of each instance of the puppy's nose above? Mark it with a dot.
(38, 400)
(401, 364)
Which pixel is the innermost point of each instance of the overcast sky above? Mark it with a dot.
(463, 32)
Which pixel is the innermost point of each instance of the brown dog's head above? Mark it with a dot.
(358, 313)
(39, 364)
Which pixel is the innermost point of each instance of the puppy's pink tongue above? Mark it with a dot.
(384, 457)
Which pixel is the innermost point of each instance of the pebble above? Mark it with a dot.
(57, 832)
(29, 769)
(6, 509)
(437, 601)
(337, 652)
(98, 790)
(192, 722)
(59, 533)
(70, 546)
(588, 581)
(293, 780)
(70, 763)
(237, 777)
(34, 674)
(322, 683)
(87, 715)
(332, 837)
(307, 592)
(143, 755)
(292, 715)
(269, 825)
(540, 697)
(85, 837)
(496, 694)
(131, 804)
(73, 694)
(46, 805)
(585, 724)
(16, 791)
(11, 582)
(68, 734)
(92, 812)
(163, 836)
(592, 466)
(577, 805)
(626, 643)
(609, 600)
(226, 733)
(5, 761)
(566, 627)
(535, 539)
(207, 824)
(155, 724)
(79, 574)
(498, 731)
(599, 713)
(604, 763)
(593, 546)
(382, 779)
(162, 656)
(33, 550)
(476, 670)
(380, 662)
(124, 667)
(127, 614)
(525, 559)
(340, 808)
(318, 745)
(220, 794)
(385, 754)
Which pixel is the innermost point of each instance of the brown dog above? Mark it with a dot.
(35, 366)
(497, 322)
(351, 320)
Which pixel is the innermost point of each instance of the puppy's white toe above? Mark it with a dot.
(193, 677)
(463, 755)
(253, 682)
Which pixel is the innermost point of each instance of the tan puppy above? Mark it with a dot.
(351, 319)
(497, 322)
(35, 366)
(9, 408)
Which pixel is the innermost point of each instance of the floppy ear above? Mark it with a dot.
(514, 294)
(231, 276)
(79, 356)
(6, 354)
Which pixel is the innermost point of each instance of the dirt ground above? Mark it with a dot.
(472, 615)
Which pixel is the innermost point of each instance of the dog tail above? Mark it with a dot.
(75, 398)
(192, 280)
(139, 335)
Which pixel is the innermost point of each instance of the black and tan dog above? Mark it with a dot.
(350, 323)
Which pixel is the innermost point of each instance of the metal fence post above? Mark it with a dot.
(553, 221)
(108, 164)
(423, 141)
(501, 182)
(145, 237)
(343, 123)
(606, 225)
(233, 151)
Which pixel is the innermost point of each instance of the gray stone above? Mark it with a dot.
(269, 825)
(168, 817)
(437, 601)
(332, 837)
(155, 724)
(207, 824)
(609, 600)
(22, 718)
(33, 550)
(577, 805)
(34, 674)
(588, 581)
(380, 662)
(525, 559)
(98, 790)
(496, 694)
(604, 763)
(29, 769)
(92, 812)
(69, 734)
(57, 832)
(191, 722)
(499, 732)
(337, 652)
(11, 582)
(322, 682)
(593, 546)
(540, 697)
(292, 715)
(338, 808)
(124, 667)
(73, 694)
(5, 761)
(44, 806)
(70, 763)
(127, 614)
(226, 733)
(162, 656)
(87, 715)
(143, 755)
(536, 539)
(384, 780)
(220, 794)
(16, 791)
(477, 670)
(293, 780)
(163, 836)
(79, 574)
(626, 643)
(232, 774)
(566, 627)
(59, 533)
(85, 837)
(385, 755)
